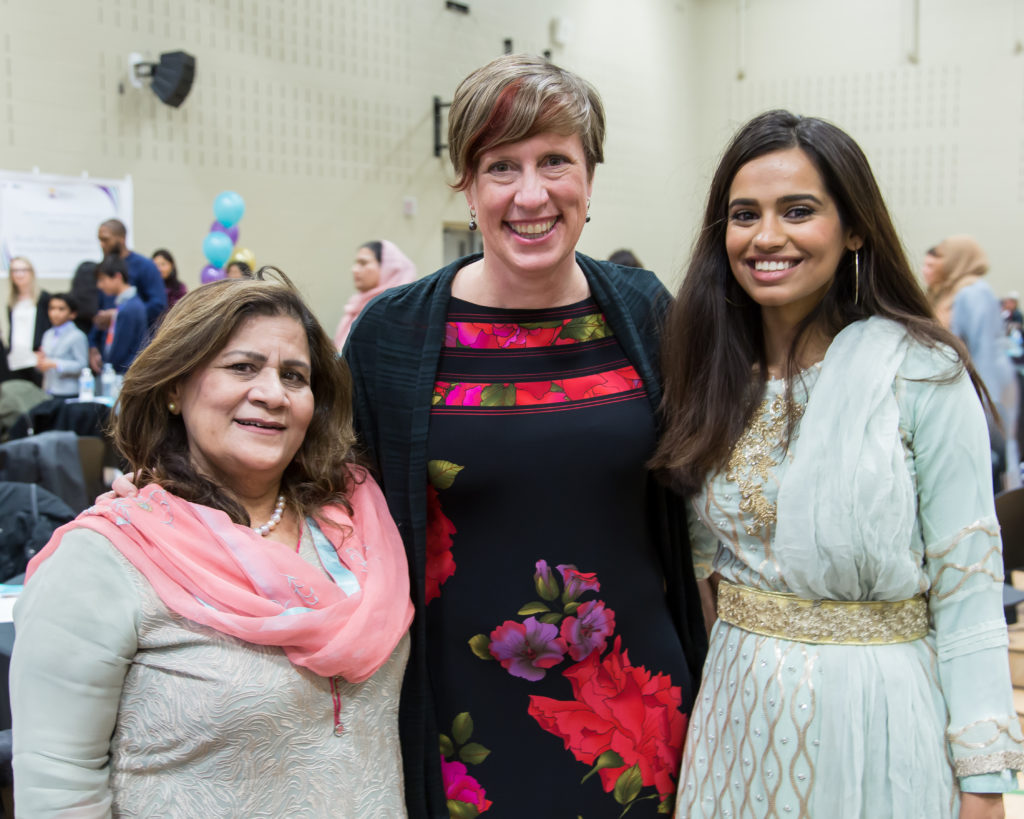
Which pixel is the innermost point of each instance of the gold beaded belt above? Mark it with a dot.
(841, 622)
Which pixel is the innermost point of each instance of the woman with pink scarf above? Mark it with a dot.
(378, 266)
(231, 640)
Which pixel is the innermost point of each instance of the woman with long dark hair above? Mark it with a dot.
(832, 437)
(164, 262)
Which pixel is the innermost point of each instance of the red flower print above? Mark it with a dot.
(577, 582)
(589, 630)
(465, 395)
(462, 787)
(440, 563)
(467, 334)
(526, 649)
(622, 708)
(531, 393)
(612, 382)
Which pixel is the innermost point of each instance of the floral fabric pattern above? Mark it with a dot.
(532, 393)
(507, 335)
(465, 795)
(540, 430)
(440, 564)
(623, 722)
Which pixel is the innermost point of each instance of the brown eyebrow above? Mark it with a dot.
(786, 200)
(254, 356)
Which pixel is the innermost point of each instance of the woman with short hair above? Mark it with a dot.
(508, 401)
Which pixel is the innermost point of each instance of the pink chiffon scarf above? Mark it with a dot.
(395, 268)
(225, 576)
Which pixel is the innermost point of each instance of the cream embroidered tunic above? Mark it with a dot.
(144, 713)
(788, 729)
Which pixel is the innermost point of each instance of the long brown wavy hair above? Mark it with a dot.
(154, 441)
(713, 354)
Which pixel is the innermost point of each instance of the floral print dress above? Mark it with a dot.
(558, 676)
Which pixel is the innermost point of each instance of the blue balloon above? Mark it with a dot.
(228, 207)
(217, 248)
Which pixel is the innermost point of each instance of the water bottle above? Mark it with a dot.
(107, 380)
(86, 385)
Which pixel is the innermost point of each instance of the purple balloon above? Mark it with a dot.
(211, 274)
(232, 231)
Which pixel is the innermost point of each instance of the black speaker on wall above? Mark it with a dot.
(172, 77)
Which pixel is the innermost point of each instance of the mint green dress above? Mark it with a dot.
(884, 493)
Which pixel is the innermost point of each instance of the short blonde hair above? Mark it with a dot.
(515, 97)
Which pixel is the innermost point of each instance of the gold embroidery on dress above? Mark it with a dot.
(989, 763)
(754, 457)
(988, 525)
(996, 728)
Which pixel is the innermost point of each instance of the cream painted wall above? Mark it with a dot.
(945, 136)
(320, 114)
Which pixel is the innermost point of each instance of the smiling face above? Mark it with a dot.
(784, 237)
(530, 199)
(247, 410)
(365, 270)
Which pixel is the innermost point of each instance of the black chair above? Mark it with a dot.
(1010, 512)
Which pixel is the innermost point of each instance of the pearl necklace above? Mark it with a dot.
(275, 519)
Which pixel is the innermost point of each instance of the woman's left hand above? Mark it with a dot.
(982, 806)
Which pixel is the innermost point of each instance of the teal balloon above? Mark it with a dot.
(217, 248)
(228, 207)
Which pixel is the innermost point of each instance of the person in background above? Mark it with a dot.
(143, 274)
(625, 258)
(378, 265)
(1012, 317)
(237, 270)
(231, 640)
(509, 403)
(27, 320)
(64, 351)
(86, 295)
(129, 328)
(830, 436)
(175, 288)
(964, 303)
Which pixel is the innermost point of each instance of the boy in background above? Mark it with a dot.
(129, 327)
(64, 350)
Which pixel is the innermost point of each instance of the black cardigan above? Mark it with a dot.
(393, 352)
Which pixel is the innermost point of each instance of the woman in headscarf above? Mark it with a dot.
(965, 304)
(378, 266)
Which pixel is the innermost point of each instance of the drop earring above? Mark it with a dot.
(472, 219)
(588, 210)
(856, 277)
